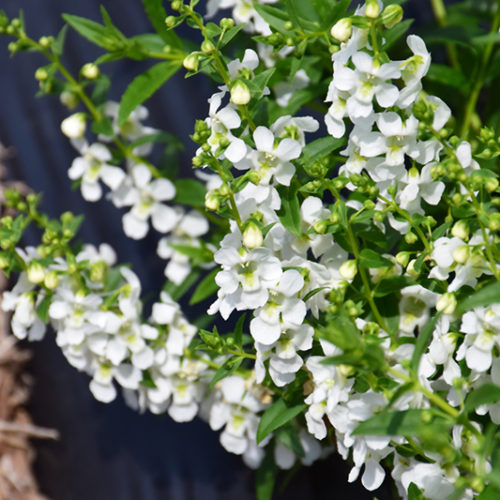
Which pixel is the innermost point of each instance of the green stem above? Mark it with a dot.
(440, 14)
(373, 34)
(470, 107)
(242, 354)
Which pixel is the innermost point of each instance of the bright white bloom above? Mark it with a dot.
(414, 307)
(93, 166)
(145, 197)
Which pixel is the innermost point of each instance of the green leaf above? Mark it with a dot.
(94, 32)
(205, 288)
(489, 493)
(392, 284)
(485, 394)
(486, 296)
(414, 493)
(448, 76)
(277, 415)
(238, 331)
(42, 310)
(422, 342)
(229, 367)
(197, 254)
(190, 192)
(371, 259)
(342, 332)
(266, 476)
(394, 34)
(275, 17)
(320, 148)
(289, 213)
(156, 14)
(144, 86)
(400, 423)
(288, 437)
(259, 83)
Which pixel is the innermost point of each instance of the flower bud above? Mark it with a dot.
(51, 280)
(402, 258)
(41, 74)
(240, 93)
(212, 202)
(372, 9)
(460, 230)
(410, 269)
(491, 184)
(170, 21)
(74, 126)
(207, 46)
(348, 270)
(320, 226)
(252, 236)
(342, 29)
(461, 254)
(494, 223)
(90, 71)
(447, 303)
(226, 23)
(35, 272)
(191, 62)
(69, 99)
(411, 238)
(98, 271)
(392, 15)
(4, 261)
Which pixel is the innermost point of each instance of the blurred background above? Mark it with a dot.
(109, 452)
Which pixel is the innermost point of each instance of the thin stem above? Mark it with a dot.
(373, 33)
(470, 106)
(441, 16)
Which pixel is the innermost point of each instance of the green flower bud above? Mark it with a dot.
(240, 93)
(226, 23)
(461, 254)
(402, 258)
(170, 21)
(372, 9)
(348, 270)
(460, 230)
(392, 15)
(252, 236)
(212, 201)
(490, 184)
(41, 74)
(411, 238)
(45, 42)
(90, 71)
(494, 223)
(207, 46)
(342, 29)
(69, 99)
(98, 271)
(447, 303)
(191, 61)
(51, 280)
(35, 272)
(321, 226)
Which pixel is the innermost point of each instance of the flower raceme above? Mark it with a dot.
(347, 260)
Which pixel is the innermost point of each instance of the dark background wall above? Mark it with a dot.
(108, 452)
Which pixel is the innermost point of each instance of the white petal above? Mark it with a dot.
(164, 218)
(162, 190)
(133, 227)
(112, 176)
(91, 191)
(103, 393)
(288, 149)
(264, 139)
(264, 332)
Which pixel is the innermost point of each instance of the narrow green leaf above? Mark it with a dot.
(321, 147)
(486, 296)
(156, 14)
(371, 259)
(288, 437)
(229, 367)
(266, 476)
(394, 34)
(274, 17)
(277, 415)
(392, 284)
(190, 192)
(144, 86)
(238, 331)
(448, 76)
(42, 309)
(206, 288)
(423, 340)
(414, 493)
(486, 394)
(289, 212)
(489, 493)
(94, 32)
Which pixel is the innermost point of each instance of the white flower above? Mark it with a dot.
(74, 126)
(93, 166)
(285, 90)
(146, 198)
(414, 307)
(272, 160)
(294, 127)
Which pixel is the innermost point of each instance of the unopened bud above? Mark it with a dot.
(321, 226)
(69, 99)
(392, 15)
(74, 126)
(4, 261)
(191, 62)
(51, 281)
(252, 236)
(402, 258)
(41, 74)
(410, 269)
(207, 46)
(212, 202)
(240, 93)
(342, 29)
(90, 71)
(491, 184)
(35, 272)
(447, 303)
(348, 270)
(460, 230)
(170, 21)
(410, 238)
(461, 254)
(98, 271)
(226, 23)
(372, 9)
(494, 223)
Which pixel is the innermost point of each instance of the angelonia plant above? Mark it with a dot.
(341, 226)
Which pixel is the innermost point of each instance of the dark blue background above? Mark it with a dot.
(108, 452)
